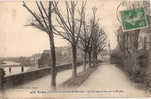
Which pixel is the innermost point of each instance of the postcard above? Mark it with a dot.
(67, 49)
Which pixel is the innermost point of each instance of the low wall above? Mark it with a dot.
(21, 78)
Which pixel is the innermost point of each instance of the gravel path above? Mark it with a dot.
(110, 81)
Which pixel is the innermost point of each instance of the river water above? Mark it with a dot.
(14, 69)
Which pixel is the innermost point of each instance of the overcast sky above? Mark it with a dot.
(18, 40)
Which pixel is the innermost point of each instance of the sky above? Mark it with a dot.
(19, 40)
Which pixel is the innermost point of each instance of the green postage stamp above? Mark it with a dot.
(133, 19)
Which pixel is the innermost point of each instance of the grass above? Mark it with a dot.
(77, 81)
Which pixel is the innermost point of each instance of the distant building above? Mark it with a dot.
(145, 34)
(63, 56)
(64, 51)
(10, 63)
(34, 58)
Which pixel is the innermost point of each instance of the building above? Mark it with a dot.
(145, 34)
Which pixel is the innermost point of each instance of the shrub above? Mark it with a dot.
(134, 68)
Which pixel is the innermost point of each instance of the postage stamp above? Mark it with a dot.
(133, 19)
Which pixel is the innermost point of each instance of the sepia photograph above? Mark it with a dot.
(65, 49)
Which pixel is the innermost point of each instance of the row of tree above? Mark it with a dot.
(128, 45)
(73, 27)
(92, 40)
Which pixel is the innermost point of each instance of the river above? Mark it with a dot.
(14, 69)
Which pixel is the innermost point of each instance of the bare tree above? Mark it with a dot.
(43, 21)
(85, 39)
(92, 39)
(69, 27)
(84, 42)
(97, 39)
(92, 30)
(98, 43)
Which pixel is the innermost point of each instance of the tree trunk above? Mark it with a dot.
(84, 66)
(52, 48)
(90, 59)
(74, 60)
(53, 68)
(96, 59)
(93, 60)
(147, 78)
